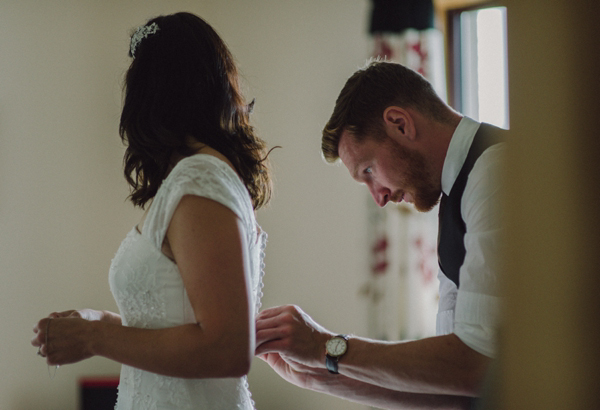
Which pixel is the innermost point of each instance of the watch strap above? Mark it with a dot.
(332, 364)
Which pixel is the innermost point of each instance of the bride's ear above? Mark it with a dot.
(399, 123)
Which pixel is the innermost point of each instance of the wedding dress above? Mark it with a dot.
(150, 293)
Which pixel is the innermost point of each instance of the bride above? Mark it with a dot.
(187, 278)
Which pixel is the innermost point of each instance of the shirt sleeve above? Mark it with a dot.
(478, 298)
(446, 305)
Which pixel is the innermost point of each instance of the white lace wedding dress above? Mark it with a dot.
(150, 293)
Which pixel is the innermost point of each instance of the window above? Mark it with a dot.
(479, 69)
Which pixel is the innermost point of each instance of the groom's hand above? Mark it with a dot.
(289, 331)
(294, 372)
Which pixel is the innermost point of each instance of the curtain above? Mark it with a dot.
(402, 289)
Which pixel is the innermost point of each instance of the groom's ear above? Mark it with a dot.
(399, 123)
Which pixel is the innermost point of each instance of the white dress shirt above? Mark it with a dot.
(472, 312)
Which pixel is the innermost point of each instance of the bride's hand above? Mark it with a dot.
(40, 338)
(63, 340)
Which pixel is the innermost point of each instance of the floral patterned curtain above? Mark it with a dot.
(402, 289)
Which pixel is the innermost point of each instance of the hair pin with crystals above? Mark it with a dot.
(140, 34)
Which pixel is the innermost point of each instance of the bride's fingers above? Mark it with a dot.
(40, 330)
(35, 341)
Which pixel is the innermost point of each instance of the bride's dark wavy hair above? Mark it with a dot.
(182, 83)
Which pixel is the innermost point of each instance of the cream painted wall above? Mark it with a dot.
(63, 211)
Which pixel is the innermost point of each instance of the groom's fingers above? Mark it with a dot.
(266, 335)
(277, 310)
(281, 320)
(270, 323)
(282, 316)
(270, 312)
(271, 346)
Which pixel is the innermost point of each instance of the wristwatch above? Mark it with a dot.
(335, 348)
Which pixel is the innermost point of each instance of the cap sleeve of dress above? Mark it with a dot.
(200, 175)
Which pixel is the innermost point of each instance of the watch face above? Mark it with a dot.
(336, 346)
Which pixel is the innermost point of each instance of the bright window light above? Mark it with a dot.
(484, 65)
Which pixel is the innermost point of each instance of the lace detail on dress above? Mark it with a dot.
(165, 391)
(257, 291)
(141, 300)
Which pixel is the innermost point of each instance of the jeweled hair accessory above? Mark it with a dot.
(140, 34)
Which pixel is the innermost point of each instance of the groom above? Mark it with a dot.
(397, 137)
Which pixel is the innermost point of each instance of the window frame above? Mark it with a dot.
(448, 13)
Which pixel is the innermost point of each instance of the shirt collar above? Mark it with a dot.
(457, 151)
